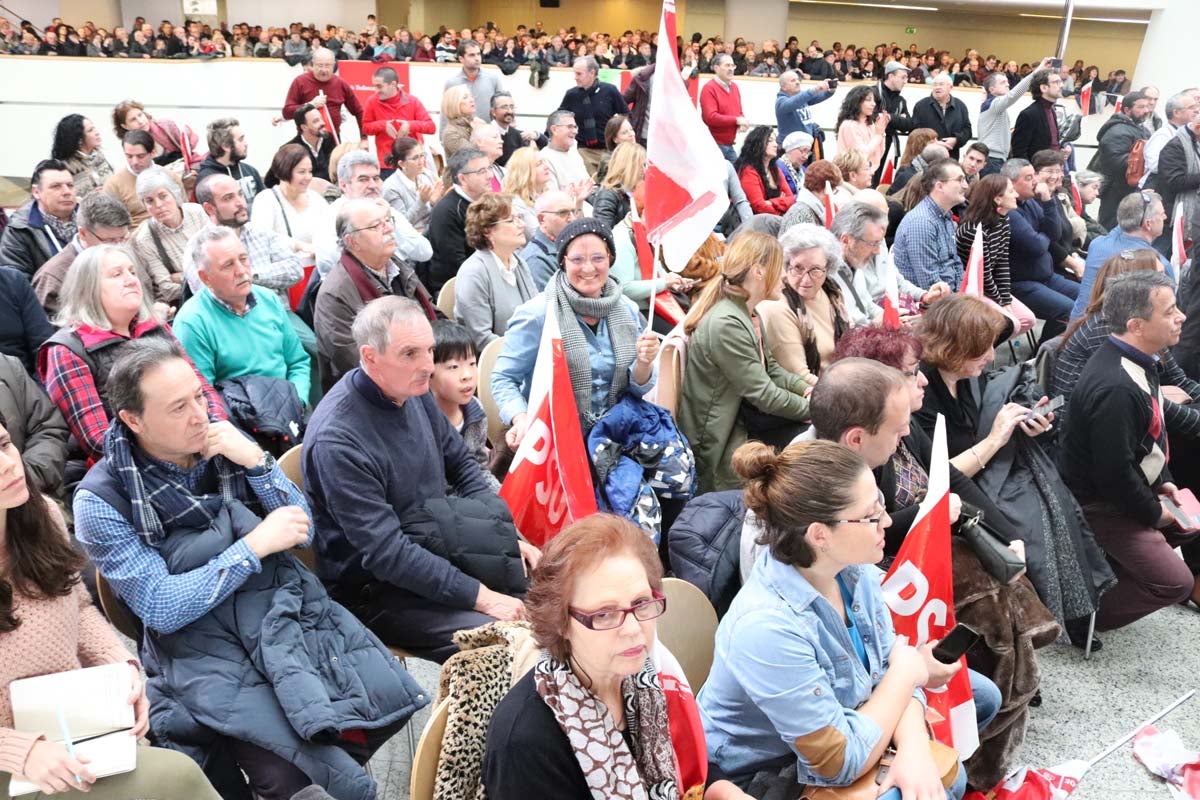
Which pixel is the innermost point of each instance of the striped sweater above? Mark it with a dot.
(997, 285)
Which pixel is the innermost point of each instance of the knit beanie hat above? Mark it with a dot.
(582, 227)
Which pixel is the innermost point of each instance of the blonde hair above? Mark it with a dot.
(849, 161)
(627, 166)
(520, 176)
(749, 250)
(452, 100)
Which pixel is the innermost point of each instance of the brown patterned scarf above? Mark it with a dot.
(612, 770)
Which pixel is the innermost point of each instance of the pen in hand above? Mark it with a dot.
(67, 743)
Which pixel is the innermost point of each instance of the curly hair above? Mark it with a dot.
(68, 136)
(884, 345)
(121, 111)
(754, 153)
(486, 212)
(820, 173)
(852, 105)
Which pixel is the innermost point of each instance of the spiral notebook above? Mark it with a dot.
(95, 704)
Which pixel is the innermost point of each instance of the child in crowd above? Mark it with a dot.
(455, 375)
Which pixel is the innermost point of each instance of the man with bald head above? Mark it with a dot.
(321, 87)
(554, 209)
(368, 268)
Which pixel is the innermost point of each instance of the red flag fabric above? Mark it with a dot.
(665, 304)
(919, 590)
(1117, 107)
(1076, 200)
(1178, 242)
(328, 118)
(549, 484)
(185, 147)
(830, 206)
(889, 173)
(1027, 783)
(972, 282)
(685, 170)
(1085, 99)
(891, 302)
(683, 719)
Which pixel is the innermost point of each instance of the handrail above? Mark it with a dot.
(17, 18)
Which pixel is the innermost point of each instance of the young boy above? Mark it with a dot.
(453, 386)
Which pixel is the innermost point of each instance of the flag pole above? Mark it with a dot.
(1135, 731)
(653, 282)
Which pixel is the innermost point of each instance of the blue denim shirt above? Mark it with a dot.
(514, 367)
(1100, 251)
(786, 679)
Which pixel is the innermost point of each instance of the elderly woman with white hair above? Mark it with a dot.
(103, 309)
(802, 329)
(160, 240)
(1089, 185)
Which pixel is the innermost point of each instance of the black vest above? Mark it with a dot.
(100, 357)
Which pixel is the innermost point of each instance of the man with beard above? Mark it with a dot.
(1115, 143)
(227, 156)
(504, 113)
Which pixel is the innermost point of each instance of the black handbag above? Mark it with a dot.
(989, 546)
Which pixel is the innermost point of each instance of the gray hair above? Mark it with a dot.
(124, 385)
(589, 63)
(1085, 177)
(784, 76)
(942, 77)
(1176, 102)
(156, 178)
(557, 117)
(483, 131)
(721, 58)
(853, 218)
(197, 246)
(351, 160)
(806, 236)
(459, 161)
(79, 298)
(991, 80)
(769, 224)
(1012, 168)
(323, 51)
(933, 151)
(1133, 209)
(373, 323)
(342, 225)
(1131, 296)
(547, 199)
(498, 96)
(102, 210)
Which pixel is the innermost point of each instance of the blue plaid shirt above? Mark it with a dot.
(924, 250)
(166, 602)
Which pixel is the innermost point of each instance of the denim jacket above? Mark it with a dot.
(786, 679)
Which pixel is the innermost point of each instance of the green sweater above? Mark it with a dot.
(224, 345)
(725, 364)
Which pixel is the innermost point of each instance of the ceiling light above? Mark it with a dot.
(1090, 19)
(866, 5)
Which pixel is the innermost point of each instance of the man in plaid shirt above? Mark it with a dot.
(924, 249)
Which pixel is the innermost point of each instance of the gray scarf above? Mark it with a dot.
(1191, 220)
(570, 305)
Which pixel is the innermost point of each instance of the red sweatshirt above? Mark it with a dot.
(720, 109)
(401, 107)
(756, 192)
(337, 94)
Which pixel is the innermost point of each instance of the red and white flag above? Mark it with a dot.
(683, 718)
(328, 118)
(1178, 242)
(549, 484)
(1027, 783)
(685, 170)
(919, 590)
(889, 173)
(1076, 200)
(891, 302)
(1085, 99)
(830, 207)
(1117, 108)
(972, 282)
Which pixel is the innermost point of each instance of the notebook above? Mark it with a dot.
(1186, 513)
(95, 703)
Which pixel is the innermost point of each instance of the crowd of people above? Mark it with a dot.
(759, 424)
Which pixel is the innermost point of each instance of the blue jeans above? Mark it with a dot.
(955, 792)
(992, 167)
(987, 698)
(1050, 300)
(729, 153)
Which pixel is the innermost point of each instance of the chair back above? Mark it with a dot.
(289, 462)
(670, 376)
(429, 750)
(1046, 362)
(487, 362)
(117, 612)
(689, 629)
(445, 301)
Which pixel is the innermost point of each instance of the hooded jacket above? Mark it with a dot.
(241, 171)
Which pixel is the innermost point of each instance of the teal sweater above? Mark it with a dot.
(224, 345)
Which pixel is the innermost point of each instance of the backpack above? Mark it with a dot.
(1135, 167)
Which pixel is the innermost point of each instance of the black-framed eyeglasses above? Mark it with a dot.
(374, 225)
(1147, 202)
(611, 618)
(875, 520)
(815, 273)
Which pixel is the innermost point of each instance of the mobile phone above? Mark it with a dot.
(832, 83)
(956, 643)
(1041, 411)
(1056, 63)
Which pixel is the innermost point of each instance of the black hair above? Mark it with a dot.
(451, 340)
(68, 136)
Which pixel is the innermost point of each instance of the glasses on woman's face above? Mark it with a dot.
(814, 273)
(611, 618)
(875, 520)
(509, 220)
(598, 260)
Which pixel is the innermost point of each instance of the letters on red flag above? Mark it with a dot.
(549, 484)
(919, 590)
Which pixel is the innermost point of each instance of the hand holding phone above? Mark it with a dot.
(1048, 408)
(956, 643)
(1056, 63)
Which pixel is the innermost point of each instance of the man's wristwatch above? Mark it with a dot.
(264, 466)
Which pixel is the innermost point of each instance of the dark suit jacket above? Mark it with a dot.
(513, 142)
(1031, 133)
(448, 235)
(956, 122)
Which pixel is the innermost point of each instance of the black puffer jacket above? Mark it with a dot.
(475, 534)
(609, 206)
(705, 544)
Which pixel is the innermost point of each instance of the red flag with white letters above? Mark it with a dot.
(919, 590)
(549, 484)
(685, 170)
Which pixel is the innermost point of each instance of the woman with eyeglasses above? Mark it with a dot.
(733, 389)
(601, 713)
(607, 350)
(802, 329)
(494, 281)
(807, 669)
(413, 189)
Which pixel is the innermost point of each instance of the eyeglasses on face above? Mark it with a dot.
(514, 220)
(564, 213)
(598, 260)
(380, 223)
(479, 171)
(611, 618)
(875, 520)
(816, 273)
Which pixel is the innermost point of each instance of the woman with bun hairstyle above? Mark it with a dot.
(807, 668)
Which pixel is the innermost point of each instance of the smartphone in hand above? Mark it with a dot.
(956, 643)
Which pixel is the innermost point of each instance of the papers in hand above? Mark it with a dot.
(96, 705)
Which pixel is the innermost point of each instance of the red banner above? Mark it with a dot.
(919, 590)
(549, 484)
(972, 282)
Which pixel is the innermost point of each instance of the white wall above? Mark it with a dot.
(39, 12)
(155, 11)
(351, 13)
(37, 92)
